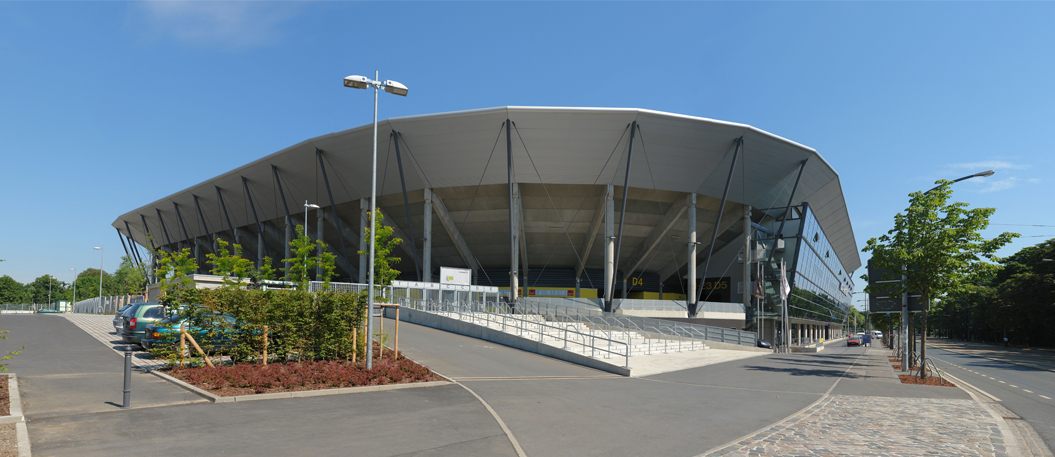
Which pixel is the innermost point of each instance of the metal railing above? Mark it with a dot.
(564, 335)
(672, 329)
(106, 304)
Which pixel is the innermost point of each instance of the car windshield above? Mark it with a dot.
(130, 311)
(154, 313)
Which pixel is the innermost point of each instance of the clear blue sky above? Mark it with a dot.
(107, 106)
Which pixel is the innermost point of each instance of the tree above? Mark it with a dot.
(385, 242)
(11, 291)
(308, 255)
(39, 289)
(88, 284)
(228, 262)
(939, 242)
(128, 279)
(174, 270)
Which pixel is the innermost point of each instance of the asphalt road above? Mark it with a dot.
(1022, 382)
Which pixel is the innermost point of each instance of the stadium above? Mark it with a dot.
(630, 210)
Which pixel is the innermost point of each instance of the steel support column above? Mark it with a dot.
(186, 235)
(622, 211)
(609, 246)
(514, 232)
(745, 284)
(718, 221)
(426, 248)
(406, 201)
(132, 245)
(256, 218)
(595, 227)
(123, 245)
(164, 228)
(787, 209)
(692, 248)
(288, 224)
(150, 236)
(204, 225)
(227, 216)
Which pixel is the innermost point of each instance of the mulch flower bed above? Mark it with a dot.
(244, 379)
(5, 402)
(929, 381)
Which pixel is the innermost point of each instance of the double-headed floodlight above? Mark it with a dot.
(392, 87)
(388, 85)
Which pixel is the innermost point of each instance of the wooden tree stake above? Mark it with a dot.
(198, 348)
(265, 346)
(182, 342)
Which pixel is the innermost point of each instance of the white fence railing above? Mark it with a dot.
(106, 304)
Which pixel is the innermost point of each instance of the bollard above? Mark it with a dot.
(126, 400)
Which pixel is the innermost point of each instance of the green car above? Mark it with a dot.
(136, 318)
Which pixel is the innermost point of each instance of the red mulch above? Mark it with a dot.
(243, 379)
(929, 381)
(5, 402)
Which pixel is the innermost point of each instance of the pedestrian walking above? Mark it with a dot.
(867, 340)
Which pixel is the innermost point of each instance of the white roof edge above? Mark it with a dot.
(507, 108)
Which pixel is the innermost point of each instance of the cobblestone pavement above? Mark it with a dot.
(100, 327)
(879, 426)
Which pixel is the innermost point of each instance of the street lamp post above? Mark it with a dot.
(73, 271)
(906, 335)
(100, 249)
(392, 87)
(307, 207)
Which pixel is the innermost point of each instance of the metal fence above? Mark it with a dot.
(106, 304)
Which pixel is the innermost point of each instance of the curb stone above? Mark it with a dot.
(213, 398)
(15, 416)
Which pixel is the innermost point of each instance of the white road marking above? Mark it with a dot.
(1045, 397)
(1002, 382)
(1012, 385)
(1027, 391)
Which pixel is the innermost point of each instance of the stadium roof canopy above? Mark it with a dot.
(565, 154)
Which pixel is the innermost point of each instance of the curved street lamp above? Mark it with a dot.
(392, 87)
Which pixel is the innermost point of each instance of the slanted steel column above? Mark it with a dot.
(288, 225)
(718, 221)
(595, 227)
(132, 246)
(406, 201)
(363, 238)
(256, 218)
(150, 236)
(691, 267)
(514, 232)
(123, 245)
(226, 215)
(204, 225)
(164, 229)
(186, 236)
(622, 212)
(787, 209)
(521, 237)
(337, 221)
(609, 246)
(318, 236)
(426, 248)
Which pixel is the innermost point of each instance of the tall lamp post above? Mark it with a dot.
(100, 249)
(906, 335)
(73, 271)
(392, 87)
(307, 207)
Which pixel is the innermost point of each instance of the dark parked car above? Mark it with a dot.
(118, 321)
(136, 318)
(167, 331)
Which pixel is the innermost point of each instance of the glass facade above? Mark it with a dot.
(820, 289)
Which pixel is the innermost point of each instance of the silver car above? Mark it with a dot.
(118, 320)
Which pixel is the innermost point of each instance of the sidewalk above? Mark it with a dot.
(869, 412)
